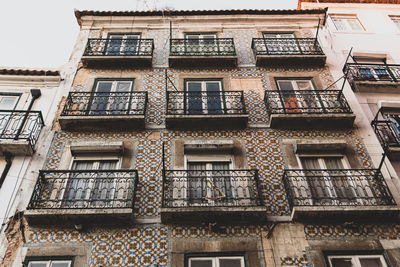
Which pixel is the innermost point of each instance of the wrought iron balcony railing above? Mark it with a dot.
(286, 46)
(21, 125)
(84, 189)
(119, 47)
(216, 188)
(372, 72)
(205, 103)
(203, 47)
(387, 129)
(352, 187)
(306, 102)
(101, 104)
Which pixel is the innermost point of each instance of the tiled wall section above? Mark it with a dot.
(262, 149)
(138, 246)
(364, 231)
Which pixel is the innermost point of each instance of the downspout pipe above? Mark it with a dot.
(36, 93)
(8, 158)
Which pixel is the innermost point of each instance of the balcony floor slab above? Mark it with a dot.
(102, 123)
(312, 121)
(20, 147)
(198, 215)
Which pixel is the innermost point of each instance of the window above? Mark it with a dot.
(200, 43)
(113, 97)
(327, 179)
(48, 263)
(357, 261)
(288, 43)
(92, 183)
(204, 96)
(8, 102)
(298, 95)
(222, 261)
(209, 181)
(122, 44)
(396, 20)
(347, 23)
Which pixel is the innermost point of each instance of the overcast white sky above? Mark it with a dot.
(41, 33)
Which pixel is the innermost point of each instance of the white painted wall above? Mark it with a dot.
(381, 35)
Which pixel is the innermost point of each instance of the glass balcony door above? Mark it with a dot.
(122, 44)
(329, 187)
(204, 97)
(209, 182)
(9, 122)
(278, 43)
(201, 44)
(112, 97)
(91, 189)
(296, 101)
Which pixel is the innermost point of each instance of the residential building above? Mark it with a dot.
(25, 123)
(207, 138)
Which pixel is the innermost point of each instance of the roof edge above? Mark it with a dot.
(29, 72)
(80, 13)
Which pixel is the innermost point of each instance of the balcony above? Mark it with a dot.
(116, 52)
(206, 110)
(373, 78)
(387, 131)
(94, 111)
(204, 53)
(339, 195)
(105, 196)
(288, 52)
(20, 131)
(198, 196)
(308, 109)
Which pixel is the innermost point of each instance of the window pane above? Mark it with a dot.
(342, 262)
(371, 262)
(333, 163)
(304, 85)
(60, 264)
(104, 87)
(123, 86)
(32, 264)
(230, 263)
(285, 85)
(201, 263)
(355, 24)
(8, 102)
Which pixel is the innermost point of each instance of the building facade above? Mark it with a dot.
(26, 118)
(207, 138)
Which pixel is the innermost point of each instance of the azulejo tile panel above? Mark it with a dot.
(128, 247)
(354, 230)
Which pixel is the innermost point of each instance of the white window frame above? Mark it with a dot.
(114, 86)
(206, 159)
(96, 159)
(204, 92)
(321, 163)
(396, 20)
(49, 263)
(344, 20)
(124, 37)
(215, 260)
(355, 259)
(297, 90)
(9, 122)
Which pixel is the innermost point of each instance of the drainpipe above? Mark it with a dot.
(35, 95)
(6, 168)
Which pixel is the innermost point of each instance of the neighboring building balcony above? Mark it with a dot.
(19, 131)
(117, 52)
(197, 196)
(341, 194)
(288, 52)
(308, 109)
(89, 111)
(83, 196)
(206, 110)
(374, 78)
(214, 53)
(387, 130)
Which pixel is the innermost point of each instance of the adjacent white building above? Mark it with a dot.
(363, 39)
